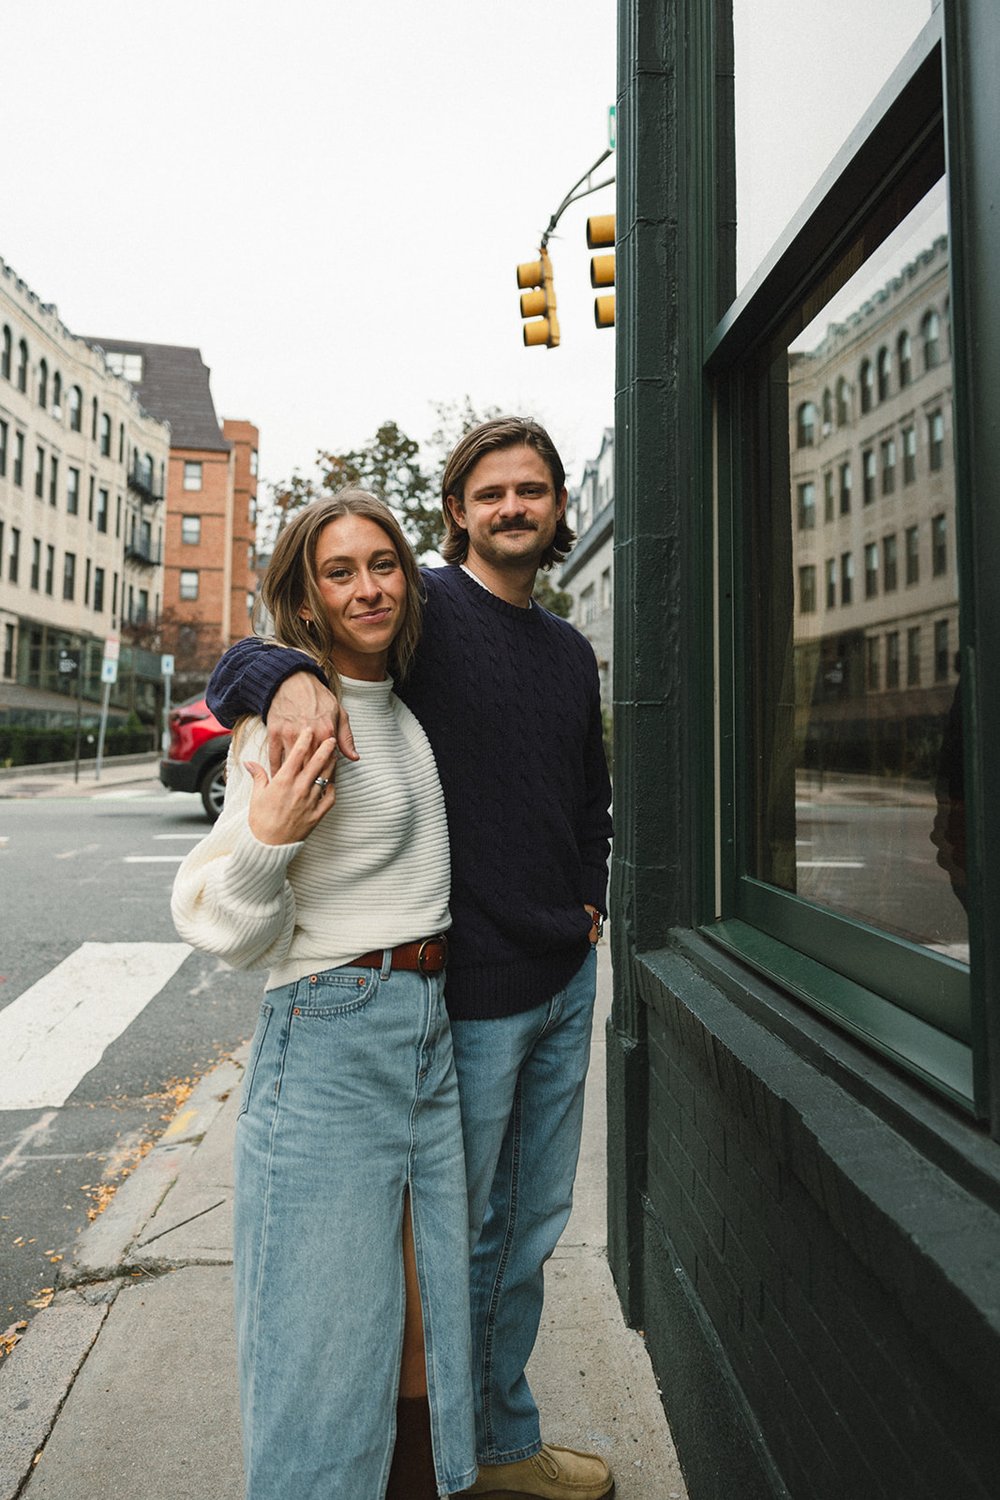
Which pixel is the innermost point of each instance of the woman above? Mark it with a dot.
(348, 1144)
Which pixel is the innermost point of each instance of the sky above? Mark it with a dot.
(328, 199)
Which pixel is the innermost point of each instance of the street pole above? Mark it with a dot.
(79, 708)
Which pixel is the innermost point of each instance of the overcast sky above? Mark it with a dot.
(328, 199)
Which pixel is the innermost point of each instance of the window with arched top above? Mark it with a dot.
(930, 330)
(105, 435)
(57, 394)
(22, 365)
(884, 371)
(904, 359)
(867, 377)
(843, 402)
(75, 407)
(827, 410)
(5, 352)
(43, 382)
(806, 425)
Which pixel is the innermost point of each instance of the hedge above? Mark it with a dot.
(20, 745)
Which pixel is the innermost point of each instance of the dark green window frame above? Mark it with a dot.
(930, 1015)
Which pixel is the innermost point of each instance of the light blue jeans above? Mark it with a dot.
(350, 1095)
(521, 1080)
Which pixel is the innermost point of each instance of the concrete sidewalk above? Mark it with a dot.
(125, 1388)
(59, 780)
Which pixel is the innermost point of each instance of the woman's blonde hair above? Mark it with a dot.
(290, 584)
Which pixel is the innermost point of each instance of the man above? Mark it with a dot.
(508, 696)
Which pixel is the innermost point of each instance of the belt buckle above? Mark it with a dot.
(426, 943)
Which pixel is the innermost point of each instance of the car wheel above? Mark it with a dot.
(213, 790)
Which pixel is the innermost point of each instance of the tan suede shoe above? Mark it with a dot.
(552, 1474)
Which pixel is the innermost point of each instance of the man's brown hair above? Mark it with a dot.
(491, 437)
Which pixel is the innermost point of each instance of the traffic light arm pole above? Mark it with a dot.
(573, 195)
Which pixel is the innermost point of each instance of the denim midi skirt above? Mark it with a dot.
(349, 1096)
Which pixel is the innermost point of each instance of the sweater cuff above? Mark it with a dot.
(248, 676)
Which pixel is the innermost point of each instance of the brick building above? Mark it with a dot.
(209, 543)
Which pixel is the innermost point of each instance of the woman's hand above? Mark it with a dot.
(288, 807)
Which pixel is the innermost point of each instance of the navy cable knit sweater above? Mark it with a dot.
(510, 701)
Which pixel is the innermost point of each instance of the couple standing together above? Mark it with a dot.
(381, 1135)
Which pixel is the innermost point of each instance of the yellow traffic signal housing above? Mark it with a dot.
(601, 232)
(540, 304)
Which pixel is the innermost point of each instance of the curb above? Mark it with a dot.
(38, 1375)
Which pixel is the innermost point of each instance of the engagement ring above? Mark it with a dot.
(322, 781)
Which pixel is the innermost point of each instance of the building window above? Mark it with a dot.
(14, 556)
(845, 489)
(53, 479)
(75, 407)
(98, 590)
(605, 583)
(890, 563)
(807, 507)
(129, 365)
(118, 516)
(189, 583)
(806, 425)
(50, 569)
(18, 475)
(913, 656)
(90, 498)
(39, 473)
(43, 383)
(871, 570)
(142, 612)
(913, 554)
(868, 471)
(5, 352)
(121, 442)
(930, 330)
(93, 419)
(904, 356)
(935, 440)
(941, 651)
(843, 402)
(892, 659)
(867, 381)
(102, 510)
(807, 589)
(36, 564)
(105, 435)
(831, 583)
(888, 466)
(86, 580)
(3, 448)
(828, 495)
(827, 411)
(253, 463)
(909, 454)
(72, 491)
(872, 679)
(191, 530)
(588, 605)
(939, 545)
(846, 577)
(884, 373)
(8, 651)
(57, 394)
(22, 366)
(192, 476)
(69, 575)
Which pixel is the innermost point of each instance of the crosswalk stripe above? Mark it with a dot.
(56, 1031)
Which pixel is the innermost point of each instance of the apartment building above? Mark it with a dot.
(82, 482)
(211, 493)
(588, 572)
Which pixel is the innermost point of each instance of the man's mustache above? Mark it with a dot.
(520, 523)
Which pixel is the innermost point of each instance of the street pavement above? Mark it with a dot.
(124, 1386)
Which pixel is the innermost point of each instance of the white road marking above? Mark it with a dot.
(72, 853)
(60, 1028)
(829, 864)
(25, 1138)
(152, 859)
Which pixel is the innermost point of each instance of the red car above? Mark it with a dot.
(196, 760)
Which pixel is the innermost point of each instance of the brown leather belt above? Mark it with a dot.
(427, 955)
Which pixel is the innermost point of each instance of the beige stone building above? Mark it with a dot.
(873, 527)
(82, 485)
(588, 572)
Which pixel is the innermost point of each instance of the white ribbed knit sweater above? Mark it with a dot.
(373, 873)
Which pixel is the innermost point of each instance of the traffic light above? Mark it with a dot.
(601, 232)
(540, 304)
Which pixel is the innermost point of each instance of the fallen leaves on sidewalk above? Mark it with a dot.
(10, 1336)
(122, 1166)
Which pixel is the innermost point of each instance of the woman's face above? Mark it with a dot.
(363, 586)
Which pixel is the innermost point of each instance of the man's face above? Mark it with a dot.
(510, 508)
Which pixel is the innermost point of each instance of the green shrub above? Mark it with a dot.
(21, 745)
